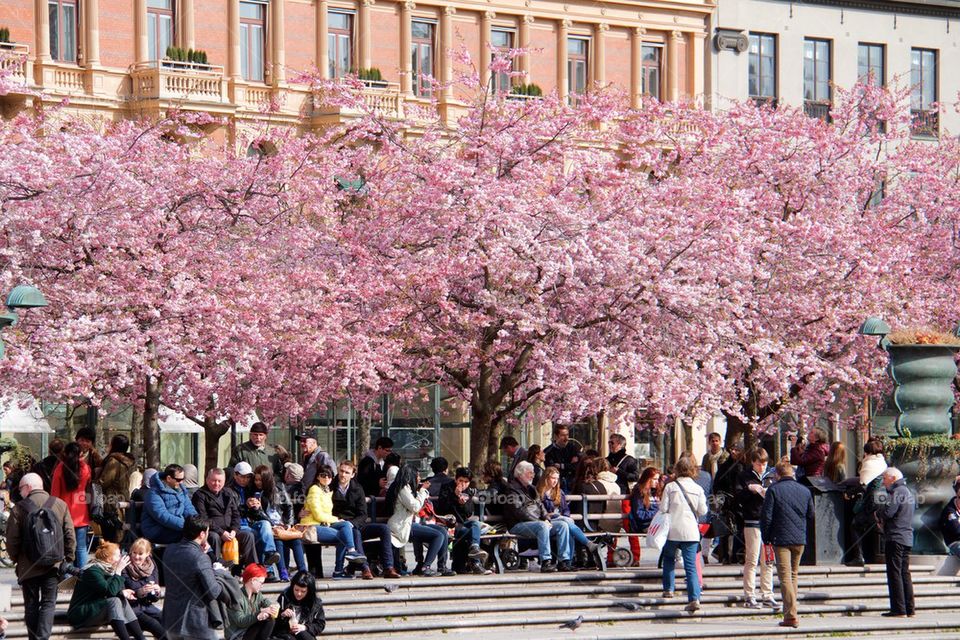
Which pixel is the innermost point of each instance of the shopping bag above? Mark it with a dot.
(231, 551)
(658, 530)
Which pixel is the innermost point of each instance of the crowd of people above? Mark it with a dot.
(256, 522)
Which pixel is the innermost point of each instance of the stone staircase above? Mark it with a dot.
(834, 602)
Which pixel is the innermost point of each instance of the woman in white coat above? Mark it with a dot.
(405, 498)
(685, 501)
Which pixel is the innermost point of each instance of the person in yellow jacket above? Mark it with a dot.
(318, 511)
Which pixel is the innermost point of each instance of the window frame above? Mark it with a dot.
(759, 96)
(818, 107)
(647, 68)
(56, 52)
(872, 47)
(924, 122)
(160, 52)
(417, 46)
(575, 60)
(502, 82)
(334, 37)
(246, 42)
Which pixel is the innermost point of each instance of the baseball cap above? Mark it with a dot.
(243, 468)
(310, 434)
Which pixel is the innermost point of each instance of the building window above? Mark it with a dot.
(650, 71)
(816, 78)
(159, 28)
(871, 64)
(578, 58)
(340, 43)
(923, 93)
(422, 48)
(253, 26)
(63, 30)
(762, 62)
(501, 40)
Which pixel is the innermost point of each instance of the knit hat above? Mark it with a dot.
(295, 470)
(252, 571)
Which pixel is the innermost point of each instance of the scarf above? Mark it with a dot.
(871, 467)
(93, 563)
(140, 573)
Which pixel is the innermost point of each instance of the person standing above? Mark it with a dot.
(950, 521)
(715, 455)
(38, 578)
(564, 454)
(115, 481)
(622, 464)
(187, 565)
(750, 497)
(685, 501)
(897, 517)
(372, 470)
(86, 439)
(70, 480)
(813, 456)
(256, 451)
(514, 453)
(786, 514)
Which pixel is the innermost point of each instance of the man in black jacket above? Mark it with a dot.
(897, 516)
(456, 499)
(625, 466)
(372, 472)
(527, 518)
(186, 565)
(222, 510)
(787, 513)
(749, 498)
(564, 454)
(350, 504)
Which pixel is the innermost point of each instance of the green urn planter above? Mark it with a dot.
(923, 387)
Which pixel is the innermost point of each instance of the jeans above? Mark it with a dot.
(329, 535)
(468, 532)
(899, 584)
(381, 531)
(689, 552)
(753, 553)
(788, 565)
(954, 549)
(443, 557)
(542, 531)
(344, 529)
(576, 533)
(39, 604)
(563, 531)
(291, 545)
(263, 535)
(81, 559)
(435, 538)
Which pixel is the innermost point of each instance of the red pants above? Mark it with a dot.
(634, 540)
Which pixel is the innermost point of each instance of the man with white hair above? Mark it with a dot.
(897, 517)
(527, 518)
(38, 576)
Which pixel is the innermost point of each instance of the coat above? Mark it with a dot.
(313, 462)
(750, 503)
(352, 505)
(139, 588)
(369, 473)
(523, 504)
(248, 452)
(185, 608)
(711, 464)
(897, 514)
(950, 522)
(17, 523)
(164, 510)
(319, 507)
(90, 594)
(221, 509)
(787, 513)
(115, 479)
(448, 504)
(640, 515)
(605, 484)
(562, 509)
(683, 522)
(438, 482)
(244, 615)
(626, 468)
(812, 458)
(563, 459)
(406, 509)
(77, 499)
(315, 620)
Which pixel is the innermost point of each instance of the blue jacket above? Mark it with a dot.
(563, 508)
(640, 516)
(786, 514)
(898, 514)
(164, 510)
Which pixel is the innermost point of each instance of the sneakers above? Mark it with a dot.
(355, 557)
(771, 602)
(448, 573)
(668, 594)
(476, 553)
(271, 558)
(751, 603)
(427, 572)
(565, 567)
(548, 566)
(284, 576)
(341, 575)
(693, 605)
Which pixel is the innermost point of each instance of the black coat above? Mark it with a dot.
(222, 509)
(524, 505)
(142, 604)
(185, 608)
(448, 504)
(562, 458)
(750, 503)
(314, 619)
(950, 523)
(352, 506)
(369, 475)
(626, 468)
(787, 513)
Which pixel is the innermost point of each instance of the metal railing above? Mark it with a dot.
(924, 123)
(817, 109)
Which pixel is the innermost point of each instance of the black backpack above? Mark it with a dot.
(43, 541)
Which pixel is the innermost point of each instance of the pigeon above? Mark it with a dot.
(573, 624)
(629, 606)
(390, 588)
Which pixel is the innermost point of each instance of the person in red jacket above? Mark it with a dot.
(70, 479)
(813, 455)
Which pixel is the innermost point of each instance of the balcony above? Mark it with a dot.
(172, 82)
(817, 109)
(924, 123)
(14, 58)
(382, 98)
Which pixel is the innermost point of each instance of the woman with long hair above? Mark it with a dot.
(141, 577)
(70, 479)
(330, 528)
(301, 611)
(537, 458)
(554, 500)
(405, 498)
(99, 596)
(276, 506)
(835, 467)
(644, 500)
(115, 481)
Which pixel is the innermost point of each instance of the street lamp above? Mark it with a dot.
(21, 297)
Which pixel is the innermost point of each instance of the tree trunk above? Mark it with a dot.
(738, 429)
(212, 432)
(687, 435)
(151, 425)
(481, 428)
(363, 435)
(136, 437)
